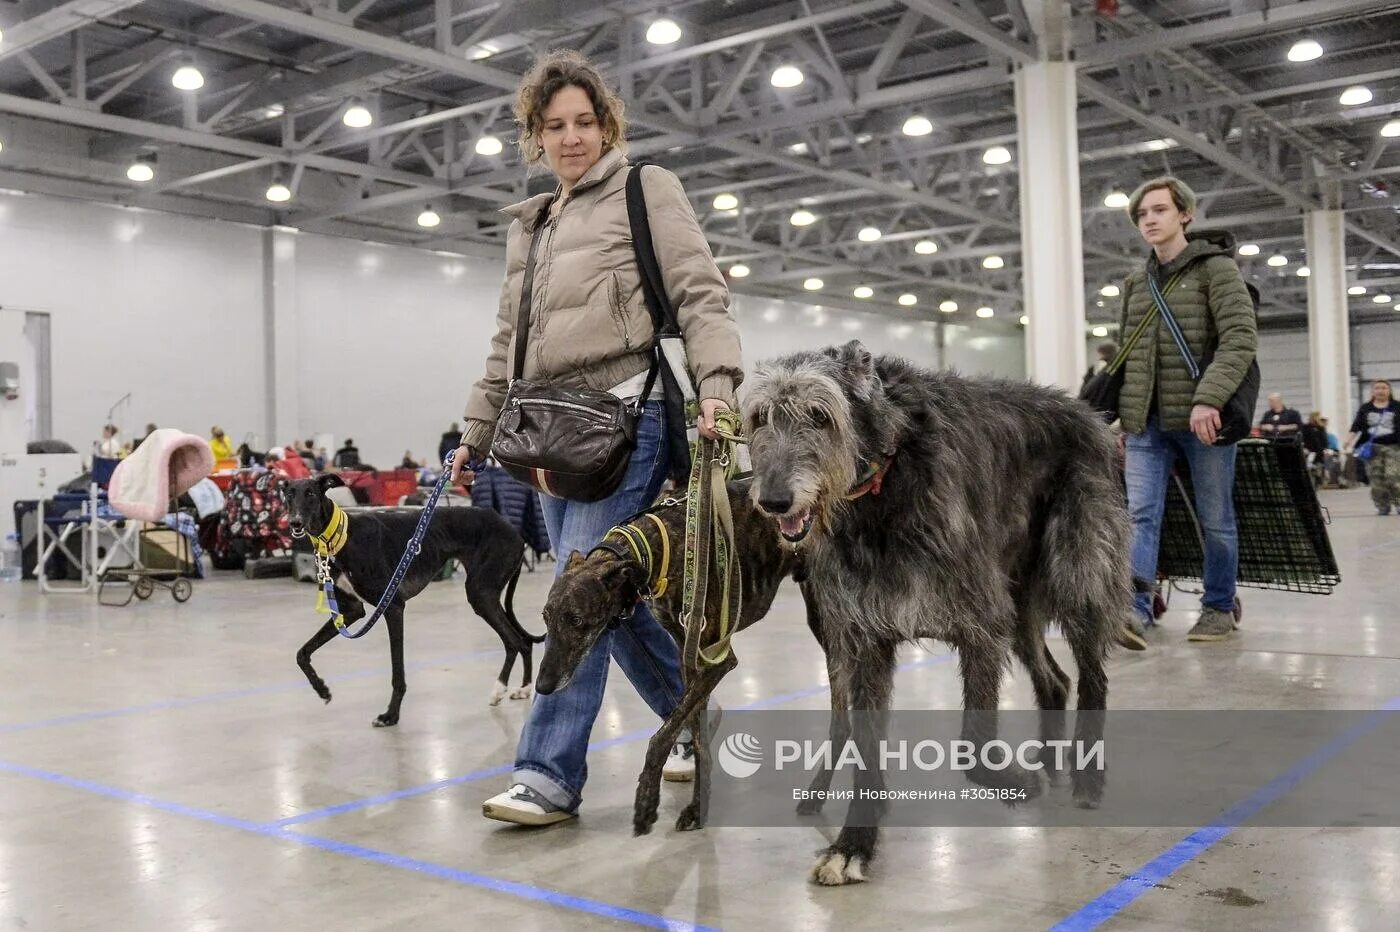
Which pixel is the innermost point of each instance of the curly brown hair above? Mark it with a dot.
(559, 69)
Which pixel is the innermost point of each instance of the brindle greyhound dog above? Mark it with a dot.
(604, 586)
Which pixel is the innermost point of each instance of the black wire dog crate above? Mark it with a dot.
(1282, 526)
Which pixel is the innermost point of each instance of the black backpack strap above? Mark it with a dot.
(663, 316)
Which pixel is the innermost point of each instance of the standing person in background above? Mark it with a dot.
(590, 328)
(109, 447)
(1323, 461)
(220, 444)
(1166, 415)
(1377, 421)
(1280, 423)
(449, 441)
(1104, 356)
(150, 429)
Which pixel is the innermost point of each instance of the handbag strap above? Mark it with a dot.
(1159, 297)
(527, 289)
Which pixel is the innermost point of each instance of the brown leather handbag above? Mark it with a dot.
(572, 443)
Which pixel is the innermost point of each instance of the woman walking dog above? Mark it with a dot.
(569, 255)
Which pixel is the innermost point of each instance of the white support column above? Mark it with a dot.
(1052, 248)
(1329, 343)
(282, 413)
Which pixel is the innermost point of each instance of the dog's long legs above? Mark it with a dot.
(697, 812)
(353, 611)
(840, 729)
(870, 672)
(485, 600)
(981, 665)
(698, 688)
(1093, 700)
(1050, 683)
(393, 619)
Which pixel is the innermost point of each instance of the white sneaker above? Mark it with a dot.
(680, 766)
(524, 806)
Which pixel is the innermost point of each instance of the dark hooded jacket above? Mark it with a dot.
(1213, 307)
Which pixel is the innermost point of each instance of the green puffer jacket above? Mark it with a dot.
(1216, 315)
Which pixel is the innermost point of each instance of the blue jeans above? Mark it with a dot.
(552, 756)
(1148, 469)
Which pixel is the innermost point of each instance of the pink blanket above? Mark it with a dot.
(166, 465)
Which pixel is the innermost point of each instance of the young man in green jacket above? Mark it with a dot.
(1165, 414)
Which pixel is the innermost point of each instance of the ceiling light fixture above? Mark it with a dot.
(489, 145)
(726, 201)
(908, 300)
(863, 292)
(1109, 291)
(1356, 290)
(1381, 299)
(786, 76)
(277, 192)
(814, 284)
(142, 170)
(1304, 50)
(1249, 249)
(187, 77)
(663, 31)
(429, 218)
(357, 116)
(802, 218)
(273, 111)
(996, 155)
(482, 51)
(1116, 199)
(926, 247)
(1025, 321)
(869, 234)
(1278, 260)
(1355, 96)
(1303, 271)
(948, 307)
(739, 270)
(1100, 331)
(985, 312)
(917, 126)
(993, 262)
(1391, 129)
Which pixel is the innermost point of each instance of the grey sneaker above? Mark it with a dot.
(1213, 625)
(524, 806)
(1132, 634)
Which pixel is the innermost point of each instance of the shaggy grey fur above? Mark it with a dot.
(1000, 515)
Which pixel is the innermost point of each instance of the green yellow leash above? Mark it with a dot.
(709, 526)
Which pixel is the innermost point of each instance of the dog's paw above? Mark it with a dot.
(641, 824)
(836, 869)
(498, 692)
(385, 721)
(1088, 788)
(524, 692)
(690, 819)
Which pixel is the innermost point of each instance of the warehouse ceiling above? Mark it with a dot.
(892, 130)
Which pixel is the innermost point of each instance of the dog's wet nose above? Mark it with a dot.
(776, 506)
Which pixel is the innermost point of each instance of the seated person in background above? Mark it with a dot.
(1280, 423)
(348, 456)
(408, 461)
(220, 444)
(1323, 460)
(322, 458)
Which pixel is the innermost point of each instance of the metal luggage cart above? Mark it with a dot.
(157, 566)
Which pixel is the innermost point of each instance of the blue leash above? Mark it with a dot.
(415, 544)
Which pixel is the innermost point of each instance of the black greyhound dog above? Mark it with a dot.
(489, 548)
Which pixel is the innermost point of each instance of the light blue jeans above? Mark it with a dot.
(1150, 456)
(552, 756)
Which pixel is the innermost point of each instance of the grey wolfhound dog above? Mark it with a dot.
(999, 513)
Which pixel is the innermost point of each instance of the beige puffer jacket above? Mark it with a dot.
(589, 323)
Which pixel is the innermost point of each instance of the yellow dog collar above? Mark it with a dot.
(332, 540)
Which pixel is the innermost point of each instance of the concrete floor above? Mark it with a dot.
(165, 766)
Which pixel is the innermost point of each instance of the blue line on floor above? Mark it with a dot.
(1113, 901)
(641, 734)
(463, 877)
(233, 694)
